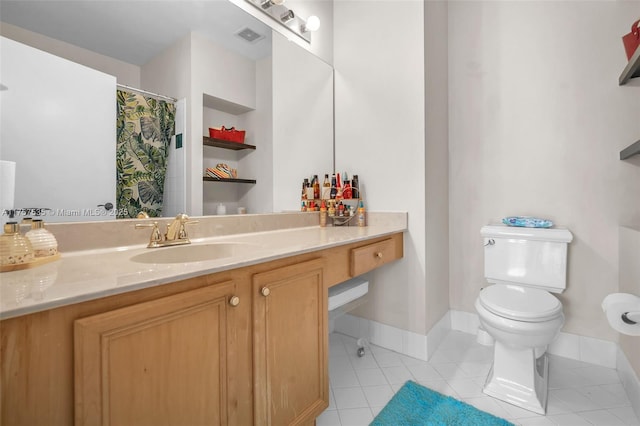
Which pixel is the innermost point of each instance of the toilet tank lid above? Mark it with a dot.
(560, 235)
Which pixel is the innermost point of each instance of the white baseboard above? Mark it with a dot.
(396, 339)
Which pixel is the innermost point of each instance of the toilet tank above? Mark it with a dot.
(531, 257)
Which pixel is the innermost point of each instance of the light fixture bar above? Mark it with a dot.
(278, 11)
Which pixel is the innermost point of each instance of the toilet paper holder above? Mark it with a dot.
(626, 317)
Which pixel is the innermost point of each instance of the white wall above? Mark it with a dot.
(302, 121)
(322, 40)
(168, 74)
(537, 121)
(45, 128)
(380, 135)
(125, 73)
(258, 198)
(222, 74)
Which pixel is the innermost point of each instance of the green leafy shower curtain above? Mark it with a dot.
(144, 129)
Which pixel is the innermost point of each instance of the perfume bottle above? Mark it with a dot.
(15, 249)
(43, 242)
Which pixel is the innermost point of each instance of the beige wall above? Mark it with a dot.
(436, 161)
(380, 135)
(124, 72)
(537, 121)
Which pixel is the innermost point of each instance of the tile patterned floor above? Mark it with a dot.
(579, 393)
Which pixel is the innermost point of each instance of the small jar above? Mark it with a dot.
(43, 242)
(15, 249)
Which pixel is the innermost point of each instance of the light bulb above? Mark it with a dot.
(312, 24)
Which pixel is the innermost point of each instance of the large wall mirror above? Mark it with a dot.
(222, 67)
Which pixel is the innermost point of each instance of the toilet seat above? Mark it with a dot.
(520, 303)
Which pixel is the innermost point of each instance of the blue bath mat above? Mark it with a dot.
(415, 405)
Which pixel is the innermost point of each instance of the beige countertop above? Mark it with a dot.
(90, 274)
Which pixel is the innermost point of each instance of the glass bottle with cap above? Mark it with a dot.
(15, 249)
(42, 240)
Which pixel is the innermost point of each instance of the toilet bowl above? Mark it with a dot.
(524, 266)
(523, 322)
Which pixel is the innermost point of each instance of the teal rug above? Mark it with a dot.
(415, 405)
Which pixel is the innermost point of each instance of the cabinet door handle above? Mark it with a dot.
(379, 255)
(265, 291)
(234, 301)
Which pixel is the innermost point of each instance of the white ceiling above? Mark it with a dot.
(135, 31)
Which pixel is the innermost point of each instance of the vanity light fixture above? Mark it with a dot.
(275, 10)
(266, 4)
(287, 17)
(312, 24)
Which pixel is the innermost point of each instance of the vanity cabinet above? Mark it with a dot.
(290, 337)
(166, 361)
(186, 352)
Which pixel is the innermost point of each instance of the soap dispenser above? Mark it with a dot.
(15, 249)
(43, 242)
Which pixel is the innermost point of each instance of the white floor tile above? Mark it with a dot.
(535, 421)
(570, 419)
(605, 396)
(332, 401)
(466, 388)
(378, 396)
(601, 417)
(367, 361)
(440, 386)
(475, 368)
(573, 399)
(397, 375)
(375, 411)
(450, 371)
(518, 413)
(423, 372)
(626, 414)
(579, 393)
(350, 398)
(488, 404)
(371, 377)
(355, 417)
(328, 418)
(390, 359)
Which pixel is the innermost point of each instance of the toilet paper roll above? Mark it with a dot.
(615, 305)
(7, 184)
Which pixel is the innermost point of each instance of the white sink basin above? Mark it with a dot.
(191, 253)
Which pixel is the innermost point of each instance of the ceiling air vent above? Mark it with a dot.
(249, 35)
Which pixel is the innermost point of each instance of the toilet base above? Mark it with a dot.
(518, 378)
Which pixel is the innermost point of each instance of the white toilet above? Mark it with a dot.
(523, 265)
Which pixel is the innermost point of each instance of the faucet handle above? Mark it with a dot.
(156, 236)
(182, 233)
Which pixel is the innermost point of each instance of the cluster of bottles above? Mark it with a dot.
(336, 189)
(330, 197)
(17, 249)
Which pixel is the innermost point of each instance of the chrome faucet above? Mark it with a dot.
(176, 232)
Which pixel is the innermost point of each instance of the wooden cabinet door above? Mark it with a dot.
(290, 341)
(163, 362)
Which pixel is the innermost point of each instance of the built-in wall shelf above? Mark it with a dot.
(219, 143)
(632, 69)
(210, 179)
(631, 150)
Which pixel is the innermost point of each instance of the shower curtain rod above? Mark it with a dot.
(145, 92)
